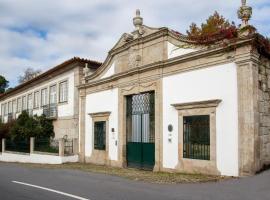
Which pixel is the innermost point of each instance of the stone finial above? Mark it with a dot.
(86, 69)
(138, 20)
(244, 13)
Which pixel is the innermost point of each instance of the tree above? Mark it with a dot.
(27, 126)
(29, 74)
(216, 27)
(3, 84)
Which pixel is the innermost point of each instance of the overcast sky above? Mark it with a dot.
(43, 33)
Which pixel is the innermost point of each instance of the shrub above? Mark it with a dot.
(5, 129)
(31, 126)
(216, 28)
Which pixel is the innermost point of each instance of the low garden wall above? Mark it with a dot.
(62, 153)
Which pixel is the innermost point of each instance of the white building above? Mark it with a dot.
(53, 93)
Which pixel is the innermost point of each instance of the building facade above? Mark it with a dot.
(163, 102)
(53, 93)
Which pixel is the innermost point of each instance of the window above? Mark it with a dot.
(14, 106)
(44, 94)
(19, 104)
(5, 109)
(24, 103)
(2, 110)
(53, 99)
(36, 99)
(30, 102)
(9, 107)
(63, 92)
(100, 135)
(196, 137)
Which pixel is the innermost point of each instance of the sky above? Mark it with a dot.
(43, 33)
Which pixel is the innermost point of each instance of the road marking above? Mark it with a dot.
(51, 190)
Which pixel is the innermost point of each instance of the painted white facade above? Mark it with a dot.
(219, 82)
(64, 109)
(174, 51)
(110, 71)
(105, 101)
(37, 158)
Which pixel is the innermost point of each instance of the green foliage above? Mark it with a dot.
(31, 126)
(3, 84)
(5, 129)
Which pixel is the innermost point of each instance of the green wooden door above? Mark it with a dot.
(141, 131)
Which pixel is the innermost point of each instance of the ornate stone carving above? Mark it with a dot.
(138, 23)
(86, 69)
(244, 13)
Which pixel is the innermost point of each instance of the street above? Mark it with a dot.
(22, 182)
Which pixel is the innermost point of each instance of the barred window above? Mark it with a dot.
(19, 104)
(44, 97)
(100, 135)
(36, 99)
(197, 137)
(53, 94)
(63, 92)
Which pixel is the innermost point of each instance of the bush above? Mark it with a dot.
(31, 126)
(5, 129)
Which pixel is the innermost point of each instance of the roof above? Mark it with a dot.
(91, 64)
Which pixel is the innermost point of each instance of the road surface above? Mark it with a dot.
(19, 182)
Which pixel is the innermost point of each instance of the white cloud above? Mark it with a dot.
(43, 33)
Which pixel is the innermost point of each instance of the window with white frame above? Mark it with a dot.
(2, 110)
(53, 93)
(14, 106)
(5, 109)
(24, 103)
(63, 91)
(19, 104)
(36, 99)
(9, 107)
(30, 102)
(44, 97)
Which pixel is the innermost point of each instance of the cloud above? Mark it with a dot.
(43, 33)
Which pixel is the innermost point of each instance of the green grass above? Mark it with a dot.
(135, 174)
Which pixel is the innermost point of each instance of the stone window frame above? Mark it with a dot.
(100, 156)
(193, 109)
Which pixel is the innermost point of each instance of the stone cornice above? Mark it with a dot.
(162, 64)
(100, 114)
(197, 104)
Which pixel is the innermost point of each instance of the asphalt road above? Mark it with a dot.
(50, 184)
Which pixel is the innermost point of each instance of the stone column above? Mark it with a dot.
(75, 142)
(3, 145)
(32, 145)
(248, 112)
(82, 126)
(61, 147)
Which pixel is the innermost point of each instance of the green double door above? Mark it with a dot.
(140, 118)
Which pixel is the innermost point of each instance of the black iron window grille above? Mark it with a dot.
(197, 137)
(100, 135)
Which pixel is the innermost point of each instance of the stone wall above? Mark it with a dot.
(264, 111)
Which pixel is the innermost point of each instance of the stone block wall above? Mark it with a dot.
(264, 111)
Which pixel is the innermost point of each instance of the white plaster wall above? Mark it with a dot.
(110, 71)
(64, 110)
(102, 102)
(37, 158)
(219, 82)
(174, 51)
